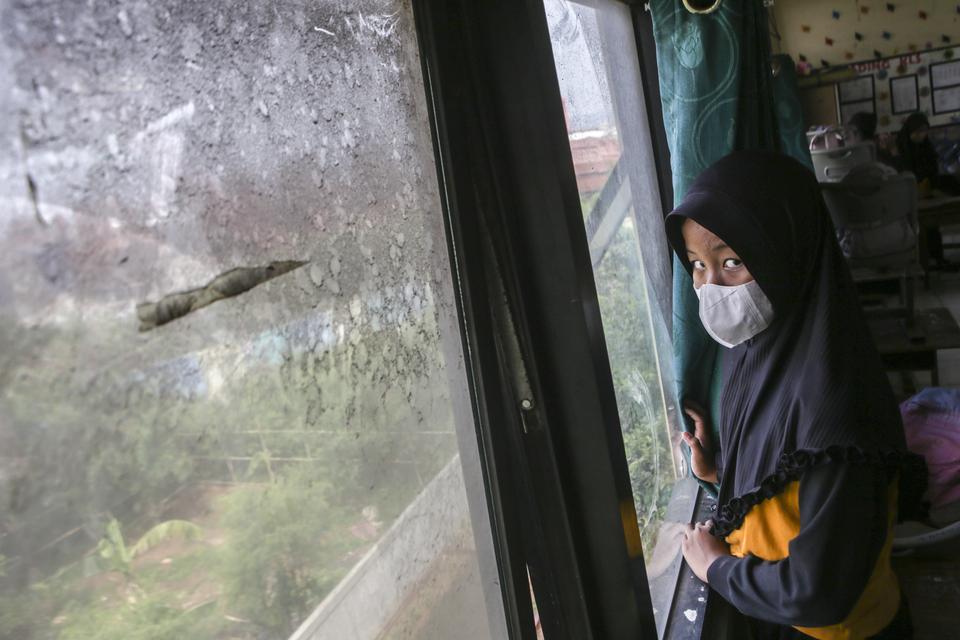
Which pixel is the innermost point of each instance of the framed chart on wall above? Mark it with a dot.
(946, 100)
(945, 86)
(854, 96)
(904, 94)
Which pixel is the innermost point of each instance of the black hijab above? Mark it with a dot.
(920, 158)
(810, 389)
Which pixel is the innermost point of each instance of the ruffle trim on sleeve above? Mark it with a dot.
(792, 466)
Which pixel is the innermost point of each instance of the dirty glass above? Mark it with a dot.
(232, 397)
(600, 84)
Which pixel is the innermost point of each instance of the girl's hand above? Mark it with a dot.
(702, 459)
(701, 548)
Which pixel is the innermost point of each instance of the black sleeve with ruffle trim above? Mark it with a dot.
(843, 526)
(794, 465)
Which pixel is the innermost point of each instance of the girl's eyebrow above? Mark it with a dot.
(717, 247)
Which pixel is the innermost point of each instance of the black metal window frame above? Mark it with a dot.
(552, 452)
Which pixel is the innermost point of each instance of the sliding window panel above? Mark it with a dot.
(233, 402)
(599, 73)
(553, 195)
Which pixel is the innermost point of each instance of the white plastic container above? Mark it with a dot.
(835, 150)
(832, 165)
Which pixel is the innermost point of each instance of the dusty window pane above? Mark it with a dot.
(229, 371)
(599, 76)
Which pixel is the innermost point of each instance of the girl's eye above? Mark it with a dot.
(698, 265)
(732, 263)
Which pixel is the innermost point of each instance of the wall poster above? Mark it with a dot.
(904, 94)
(945, 82)
(855, 96)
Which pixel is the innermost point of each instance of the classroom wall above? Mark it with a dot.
(837, 32)
(836, 41)
(893, 88)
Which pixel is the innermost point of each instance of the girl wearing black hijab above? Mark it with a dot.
(915, 151)
(811, 458)
(865, 124)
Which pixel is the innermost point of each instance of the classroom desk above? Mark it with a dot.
(932, 213)
(913, 346)
(904, 275)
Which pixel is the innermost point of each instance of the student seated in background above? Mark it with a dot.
(864, 124)
(915, 153)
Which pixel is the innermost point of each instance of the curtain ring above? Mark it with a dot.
(701, 6)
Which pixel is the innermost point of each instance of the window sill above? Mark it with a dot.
(688, 609)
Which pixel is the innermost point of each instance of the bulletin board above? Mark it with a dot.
(926, 81)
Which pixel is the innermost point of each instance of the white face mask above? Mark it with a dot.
(732, 315)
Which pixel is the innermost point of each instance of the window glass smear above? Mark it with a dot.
(598, 71)
(232, 402)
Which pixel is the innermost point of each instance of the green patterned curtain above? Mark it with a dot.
(715, 85)
(786, 95)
